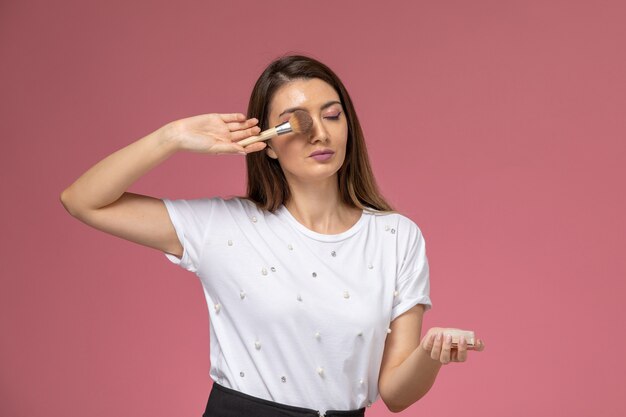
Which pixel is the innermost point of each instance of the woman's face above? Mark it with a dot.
(329, 131)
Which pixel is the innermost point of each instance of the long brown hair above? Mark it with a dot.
(267, 185)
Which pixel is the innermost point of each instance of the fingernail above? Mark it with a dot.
(448, 338)
(242, 153)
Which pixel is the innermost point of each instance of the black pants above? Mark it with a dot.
(226, 402)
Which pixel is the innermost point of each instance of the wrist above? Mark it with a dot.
(167, 137)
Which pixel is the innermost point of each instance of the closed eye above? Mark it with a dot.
(334, 117)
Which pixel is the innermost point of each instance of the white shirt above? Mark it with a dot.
(299, 317)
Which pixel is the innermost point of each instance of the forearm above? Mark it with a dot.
(107, 180)
(411, 380)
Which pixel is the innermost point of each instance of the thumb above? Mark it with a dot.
(428, 341)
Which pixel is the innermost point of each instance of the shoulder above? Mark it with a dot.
(400, 222)
(238, 203)
(200, 206)
(240, 207)
(408, 224)
(233, 203)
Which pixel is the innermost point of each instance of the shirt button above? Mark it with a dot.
(282, 378)
(253, 219)
(333, 253)
(230, 242)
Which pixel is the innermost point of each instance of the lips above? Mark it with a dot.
(322, 152)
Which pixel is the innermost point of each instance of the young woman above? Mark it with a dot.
(316, 288)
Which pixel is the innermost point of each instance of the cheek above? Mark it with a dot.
(342, 128)
(342, 135)
(282, 145)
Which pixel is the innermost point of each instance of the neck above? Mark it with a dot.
(318, 206)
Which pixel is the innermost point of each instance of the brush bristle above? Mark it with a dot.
(300, 121)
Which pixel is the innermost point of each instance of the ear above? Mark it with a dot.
(270, 152)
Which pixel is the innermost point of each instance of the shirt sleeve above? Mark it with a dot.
(190, 219)
(413, 280)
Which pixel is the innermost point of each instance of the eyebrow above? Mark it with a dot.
(292, 109)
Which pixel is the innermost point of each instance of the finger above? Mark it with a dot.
(480, 345)
(242, 134)
(232, 117)
(462, 350)
(223, 148)
(255, 147)
(436, 351)
(234, 126)
(445, 350)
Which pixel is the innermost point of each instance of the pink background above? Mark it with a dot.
(497, 126)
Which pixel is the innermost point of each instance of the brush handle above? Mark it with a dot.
(265, 135)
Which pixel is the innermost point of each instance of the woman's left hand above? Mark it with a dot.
(438, 345)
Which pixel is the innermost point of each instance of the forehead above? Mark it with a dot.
(311, 94)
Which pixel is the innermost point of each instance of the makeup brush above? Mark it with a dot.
(299, 122)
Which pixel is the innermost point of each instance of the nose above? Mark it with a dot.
(318, 131)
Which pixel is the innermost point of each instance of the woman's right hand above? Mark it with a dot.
(215, 133)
